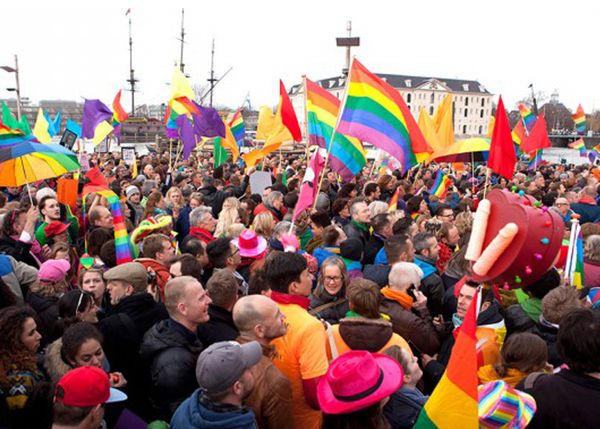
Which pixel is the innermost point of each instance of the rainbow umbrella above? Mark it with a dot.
(27, 162)
(470, 150)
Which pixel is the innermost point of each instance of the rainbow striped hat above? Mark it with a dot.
(501, 406)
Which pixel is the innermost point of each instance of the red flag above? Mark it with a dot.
(538, 137)
(288, 115)
(309, 189)
(97, 181)
(502, 157)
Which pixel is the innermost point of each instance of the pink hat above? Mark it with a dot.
(358, 379)
(250, 244)
(54, 270)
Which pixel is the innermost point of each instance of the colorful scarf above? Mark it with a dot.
(402, 298)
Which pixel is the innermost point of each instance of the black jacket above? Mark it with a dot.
(432, 286)
(377, 273)
(170, 355)
(352, 231)
(220, 327)
(373, 246)
(549, 334)
(517, 320)
(214, 198)
(19, 250)
(331, 314)
(46, 308)
(566, 400)
(401, 411)
(123, 329)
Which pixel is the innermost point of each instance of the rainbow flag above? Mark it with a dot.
(454, 402)
(375, 112)
(528, 117)
(580, 146)
(441, 185)
(594, 153)
(347, 155)
(119, 114)
(393, 204)
(535, 160)
(122, 249)
(237, 128)
(579, 119)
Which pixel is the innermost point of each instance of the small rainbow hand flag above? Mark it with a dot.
(580, 146)
(393, 204)
(441, 185)
(528, 117)
(579, 119)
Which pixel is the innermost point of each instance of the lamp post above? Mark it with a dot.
(15, 70)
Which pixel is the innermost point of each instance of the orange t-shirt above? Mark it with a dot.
(342, 347)
(300, 355)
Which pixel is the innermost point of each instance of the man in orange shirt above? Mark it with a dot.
(300, 354)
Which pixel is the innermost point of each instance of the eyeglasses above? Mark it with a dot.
(329, 279)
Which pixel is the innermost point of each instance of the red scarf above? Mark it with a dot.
(285, 298)
(201, 234)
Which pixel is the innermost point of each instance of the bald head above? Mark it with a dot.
(403, 275)
(175, 292)
(258, 317)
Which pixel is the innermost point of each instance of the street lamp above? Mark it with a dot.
(15, 70)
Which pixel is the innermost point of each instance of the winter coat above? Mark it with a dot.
(271, 398)
(171, 358)
(377, 273)
(322, 253)
(432, 285)
(18, 276)
(46, 308)
(19, 250)
(220, 327)
(196, 412)
(331, 314)
(214, 198)
(403, 408)
(549, 333)
(413, 325)
(262, 207)
(353, 231)
(588, 212)
(518, 319)
(373, 246)
(565, 400)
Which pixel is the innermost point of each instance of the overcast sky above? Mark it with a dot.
(72, 49)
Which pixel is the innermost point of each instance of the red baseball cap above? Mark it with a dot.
(54, 228)
(86, 386)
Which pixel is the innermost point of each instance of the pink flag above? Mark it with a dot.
(309, 189)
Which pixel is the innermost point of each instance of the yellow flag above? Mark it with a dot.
(270, 128)
(40, 130)
(102, 130)
(443, 122)
(491, 124)
(428, 129)
(134, 170)
(180, 87)
(229, 143)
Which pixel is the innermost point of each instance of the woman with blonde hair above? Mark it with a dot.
(228, 216)
(328, 301)
(174, 201)
(263, 225)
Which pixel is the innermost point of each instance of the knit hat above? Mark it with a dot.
(54, 228)
(351, 248)
(501, 406)
(54, 270)
(131, 190)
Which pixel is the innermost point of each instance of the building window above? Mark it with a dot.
(480, 129)
(464, 129)
(481, 113)
(466, 101)
(482, 101)
(408, 98)
(431, 110)
(466, 113)
(432, 98)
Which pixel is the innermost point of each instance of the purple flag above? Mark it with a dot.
(94, 112)
(186, 136)
(208, 123)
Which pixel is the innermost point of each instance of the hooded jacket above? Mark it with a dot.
(171, 358)
(197, 412)
(431, 284)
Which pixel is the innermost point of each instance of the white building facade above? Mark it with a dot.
(472, 103)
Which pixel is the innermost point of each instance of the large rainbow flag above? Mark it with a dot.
(238, 129)
(579, 144)
(440, 185)
(119, 114)
(347, 155)
(528, 116)
(579, 119)
(454, 402)
(375, 112)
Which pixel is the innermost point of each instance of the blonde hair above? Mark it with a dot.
(227, 217)
(263, 224)
(464, 222)
(170, 192)
(235, 230)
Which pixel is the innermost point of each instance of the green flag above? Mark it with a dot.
(9, 121)
(220, 153)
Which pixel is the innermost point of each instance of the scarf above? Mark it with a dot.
(361, 226)
(402, 298)
(36, 249)
(587, 200)
(351, 313)
(201, 233)
(285, 298)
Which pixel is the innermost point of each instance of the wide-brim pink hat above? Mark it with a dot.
(358, 379)
(250, 244)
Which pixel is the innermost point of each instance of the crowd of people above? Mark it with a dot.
(232, 316)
